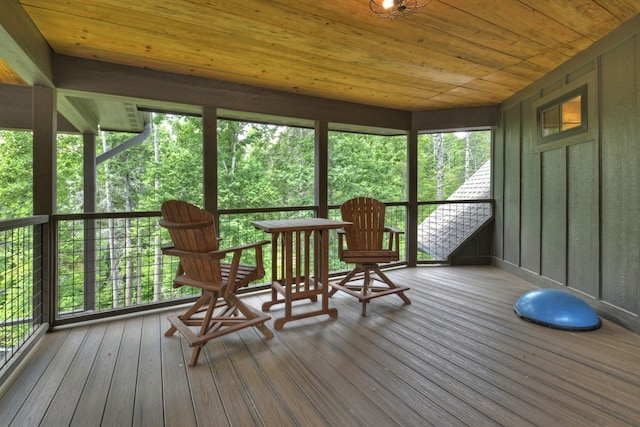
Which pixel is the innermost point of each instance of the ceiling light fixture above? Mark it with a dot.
(394, 8)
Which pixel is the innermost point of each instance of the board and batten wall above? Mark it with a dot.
(568, 212)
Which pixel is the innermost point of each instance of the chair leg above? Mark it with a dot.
(391, 285)
(367, 291)
(251, 314)
(195, 308)
(206, 299)
(346, 279)
(204, 328)
(213, 317)
(195, 354)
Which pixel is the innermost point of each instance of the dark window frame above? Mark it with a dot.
(558, 102)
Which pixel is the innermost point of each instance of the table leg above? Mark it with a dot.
(274, 273)
(287, 248)
(324, 274)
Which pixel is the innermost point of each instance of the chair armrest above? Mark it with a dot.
(171, 250)
(237, 254)
(185, 225)
(243, 247)
(221, 254)
(394, 239)
(393, 230)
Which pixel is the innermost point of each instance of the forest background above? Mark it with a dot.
(259, 166)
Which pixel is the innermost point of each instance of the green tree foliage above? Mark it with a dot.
(178, 171)
(16, 288)
(264, 165)
(16, 174)
(462, 155)
(367, 165)
(168, 164)
(69, 175)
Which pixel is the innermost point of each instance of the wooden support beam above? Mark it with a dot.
(455, 119)
(23, 47)
(82, 77)
(322, 168)
(44, 150)
(210, 159)
(83, 117)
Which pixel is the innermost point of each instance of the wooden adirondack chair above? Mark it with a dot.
(202, 265)
(364, 240)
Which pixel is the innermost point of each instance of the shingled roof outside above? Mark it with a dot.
(451, 224)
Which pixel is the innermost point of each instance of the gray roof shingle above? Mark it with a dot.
(446, 228)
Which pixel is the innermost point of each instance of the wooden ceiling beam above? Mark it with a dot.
(82, 76)
(27, 54)
(24, 49)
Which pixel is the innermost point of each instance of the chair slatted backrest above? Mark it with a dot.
(193, 230)
(367, 217)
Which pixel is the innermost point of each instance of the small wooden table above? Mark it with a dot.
(300, 264)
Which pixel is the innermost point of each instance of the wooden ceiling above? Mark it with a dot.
(453, 53)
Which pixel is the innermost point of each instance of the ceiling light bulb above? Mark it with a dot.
(395, 8)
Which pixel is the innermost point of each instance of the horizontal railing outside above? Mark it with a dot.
(21, 283)
(108, 263)
(112, 263)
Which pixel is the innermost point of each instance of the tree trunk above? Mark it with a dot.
(467, 156)
(157, 264)
(439, 153)
(128, 244)
(111, 239)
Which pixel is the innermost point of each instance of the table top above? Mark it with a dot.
(298, 224)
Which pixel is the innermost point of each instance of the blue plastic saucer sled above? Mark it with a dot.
(557, 309)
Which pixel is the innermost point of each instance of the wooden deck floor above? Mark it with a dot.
(457, 355)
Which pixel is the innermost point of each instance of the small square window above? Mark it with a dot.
(564, 116)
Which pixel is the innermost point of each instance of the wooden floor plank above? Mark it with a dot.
(65, 400)
(551, 369)
(478, 365)
(148, 409)
(238, 404)
(178, 406)
(375, 394)
(548, 364)
(91, 405)
(271, 406)
(396, 377)
(287, 363)
(14, 396)
(461, 388)
(330, 371)
(539, 367)
(458, 355)
(415, 365)
(283, 388)
(45, 390)
(118, 409)
(207, 402)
